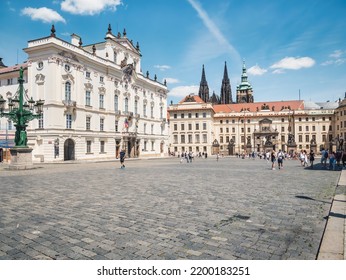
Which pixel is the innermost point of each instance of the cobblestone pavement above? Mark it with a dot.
(162, 209)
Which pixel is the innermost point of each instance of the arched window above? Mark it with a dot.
(67, 91)
(126, 105)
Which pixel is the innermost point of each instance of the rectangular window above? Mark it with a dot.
(153, 145)
(190, 115)
(221, 139)
(102, 121)
(182, 127)
(175, 139)
(313, 128)
(233, 129)
(116, 103)
(145, 145)
(144, 110)
(102, 101)
(87, 74)
(152, 111)
(68, 121)
(324, 138)
(197, 138)
(306, 128)
(145, 128)
(87, 98)
(221, 130)
(282, 129)
(197, 126)
(300, 128)
(136, 106)
(227, 139)
(88, 147)
(101, 79)
(190, 126)
(197, 115)
(205, 138)
(300, 137)
(182, 116)
(175, 116)
(204, 126)
(190, 138)
(88, 120)
(116, 126)
(175, 127)
(204, 115)
(307, 138)
(182, 139)
(152, 129)
(102, 146)
(40, 122)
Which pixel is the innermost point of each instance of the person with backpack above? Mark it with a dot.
(281, 157)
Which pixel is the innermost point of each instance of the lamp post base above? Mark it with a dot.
(21, 158)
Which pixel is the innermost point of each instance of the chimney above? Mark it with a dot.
(75, 40)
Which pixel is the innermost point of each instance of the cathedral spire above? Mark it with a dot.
(203, 88)
(226, 91)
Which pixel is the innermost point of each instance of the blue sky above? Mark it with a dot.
(288, 46)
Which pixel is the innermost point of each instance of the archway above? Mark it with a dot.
(69, 149)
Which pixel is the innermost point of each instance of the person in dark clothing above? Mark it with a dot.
(122, 159)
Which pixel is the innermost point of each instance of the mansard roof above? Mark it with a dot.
(275, 106)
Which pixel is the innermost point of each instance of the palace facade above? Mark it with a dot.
(215, 125)
(97, 100)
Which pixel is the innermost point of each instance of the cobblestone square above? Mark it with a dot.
(164, 209)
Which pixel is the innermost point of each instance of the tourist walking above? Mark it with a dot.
(273, 159)
(312, 158)
(280, 159)
(122, 159)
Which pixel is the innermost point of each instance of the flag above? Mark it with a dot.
(126, 123)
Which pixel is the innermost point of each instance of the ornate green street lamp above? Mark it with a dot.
(21, 110)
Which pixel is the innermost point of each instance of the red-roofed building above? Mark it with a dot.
(210, 127)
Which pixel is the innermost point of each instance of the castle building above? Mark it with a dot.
(97, 100)
(246, 126)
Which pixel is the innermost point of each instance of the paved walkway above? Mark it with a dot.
(162, 209)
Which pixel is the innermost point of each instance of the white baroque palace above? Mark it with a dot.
(97, 100)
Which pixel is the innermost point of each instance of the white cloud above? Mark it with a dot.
(337, 58)
(183, 91)
(256, 70)
(293, 63)
(44, 14)
(336, 54)
(171, 80)
(89, 7)
(162, 67)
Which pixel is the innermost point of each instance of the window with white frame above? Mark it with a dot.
(144, 110)
(68, 121)
(145, 128)
(153, 145)
(40, 122)
(101, 101)
(136, 106)
(161, 112)
(116, 125)
(67, 91)
(87, 98)
(88, 146)
(87, 123)
(102, 146)
(152, 111)
(102, 122)
(116, 102)
(126, 105)
(152, 129)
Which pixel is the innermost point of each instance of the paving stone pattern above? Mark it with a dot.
(164, 209)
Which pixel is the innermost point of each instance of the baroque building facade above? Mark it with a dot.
(247, 126)
(97, 100)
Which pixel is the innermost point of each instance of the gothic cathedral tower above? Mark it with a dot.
(244, 89)
(226, 91)
(203, 88)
